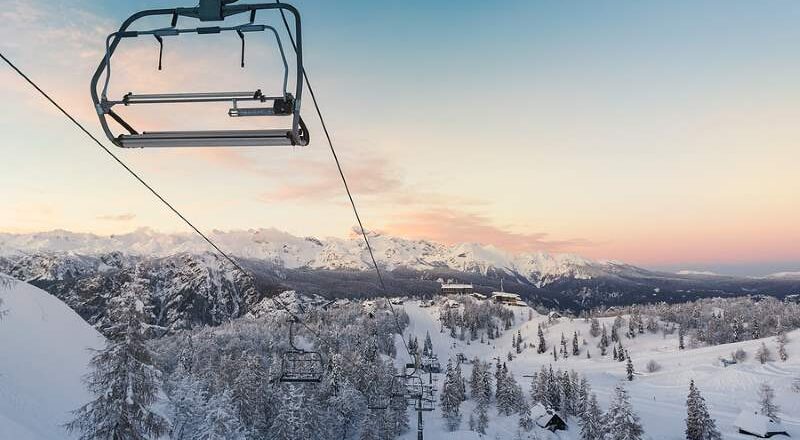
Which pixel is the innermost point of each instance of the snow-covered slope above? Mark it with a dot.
(659, 398)
(43, 355)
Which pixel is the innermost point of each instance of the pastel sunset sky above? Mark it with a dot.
(665, 134)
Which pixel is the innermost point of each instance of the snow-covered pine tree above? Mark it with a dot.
(781, 340)
(575, 348)
(186, 404)
(294, 418)
(594, 328)
(681, 335)
(766, 399)
(603, 345)
(519, 342)
(123, 379)
(542, 347)
(427, 347)
(526, 422)
(450, 398)
(554, 395)
(248, 393)
(620, 352)
(755, 332)
(563, 350)
(591, 421)
(699, 424)
(621, 422)
(615, 355)
(763, 354)
(221, 421)
(476, 380)
(583, 393)
(481, 417)
(461, 386)
(511, 398)
(629, 368)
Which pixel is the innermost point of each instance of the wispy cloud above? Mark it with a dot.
(452, 226)
(126, 217)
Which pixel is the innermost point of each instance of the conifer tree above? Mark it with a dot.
(766, 399)
(564, 346)
(781, 340)
(681, 344)
(186, 404)
(763, 354)
(575, 348)
(427, 347)
(594, 328)
(519, 342)
(123, 379)
(221, 421)
(461, 387)
(591, 421)
(699, 424)
(603, 341)
(629, 368)
(450, 398)
(542, 347)
(621, 422)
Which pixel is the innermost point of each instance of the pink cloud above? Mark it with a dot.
(450, 227)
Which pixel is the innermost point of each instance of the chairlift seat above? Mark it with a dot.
(302, 366)
(208, 138)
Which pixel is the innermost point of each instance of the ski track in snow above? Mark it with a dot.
(658, 398)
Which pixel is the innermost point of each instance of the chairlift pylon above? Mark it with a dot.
(286, 104)
(300, 365)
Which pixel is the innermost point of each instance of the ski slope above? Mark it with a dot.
(659, 398)
(43, 355)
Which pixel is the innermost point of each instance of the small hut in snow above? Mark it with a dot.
(755, 424)
(547, 419)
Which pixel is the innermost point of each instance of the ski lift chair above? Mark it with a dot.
(286, 104)
(377, 401)
(300, 365)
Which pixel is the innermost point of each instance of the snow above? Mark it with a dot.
(755, 423)
(43, 356)
(659, 398)
(286, 250)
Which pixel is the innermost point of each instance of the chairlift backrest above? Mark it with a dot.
(287, 104)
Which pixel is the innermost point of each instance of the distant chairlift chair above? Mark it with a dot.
(300, 365)
(287, 104)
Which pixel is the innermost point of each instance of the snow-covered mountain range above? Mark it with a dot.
(188, 285)
(288, 251)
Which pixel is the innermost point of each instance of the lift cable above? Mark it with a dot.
(347, 188)
(161, 198)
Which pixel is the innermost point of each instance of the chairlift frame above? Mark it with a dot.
(207, 10)
(298, 365)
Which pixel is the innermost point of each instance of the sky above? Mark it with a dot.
(662, 134)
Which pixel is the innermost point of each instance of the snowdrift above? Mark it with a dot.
(43, 356)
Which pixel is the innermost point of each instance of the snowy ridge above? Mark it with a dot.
(44, 355)
(286, 250)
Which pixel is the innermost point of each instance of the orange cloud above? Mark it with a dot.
(451, 227)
